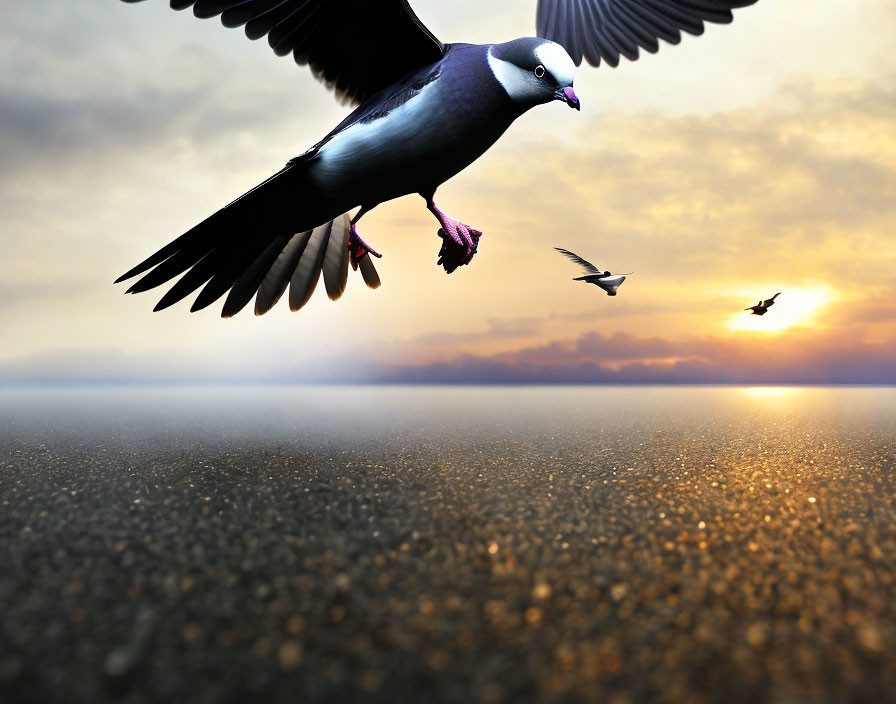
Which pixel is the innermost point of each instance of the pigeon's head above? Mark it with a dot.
(534, 71)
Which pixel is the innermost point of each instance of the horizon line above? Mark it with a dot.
(198, 384)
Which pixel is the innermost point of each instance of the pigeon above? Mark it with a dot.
(424, 112)
(604, 279)
(762, 307)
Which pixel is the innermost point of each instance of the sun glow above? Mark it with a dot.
(774, 392)
(794, 307)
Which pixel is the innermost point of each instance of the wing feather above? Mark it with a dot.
(356, 47)
(241, 12)
(607, 29)
(584, 263)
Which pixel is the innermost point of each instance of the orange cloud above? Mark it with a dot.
(807, 358)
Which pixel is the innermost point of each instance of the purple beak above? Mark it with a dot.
(568, 96)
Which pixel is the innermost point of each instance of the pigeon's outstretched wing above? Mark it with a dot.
(355, 47)
(770, 301)
(608, 29)
(584, 263)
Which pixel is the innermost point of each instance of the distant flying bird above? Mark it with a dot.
(607, 281)
(426, 111)
(762, 307)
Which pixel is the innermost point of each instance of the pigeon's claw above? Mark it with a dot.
(459, 242)
(458, 248)
(358, 248)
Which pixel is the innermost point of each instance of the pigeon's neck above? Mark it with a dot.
(484, 97)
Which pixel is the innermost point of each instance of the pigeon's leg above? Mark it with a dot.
(459, 241)
(358, 247)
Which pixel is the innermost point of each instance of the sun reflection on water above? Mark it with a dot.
(775, 392)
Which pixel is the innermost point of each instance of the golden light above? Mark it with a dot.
(795, 306)
(776, 392)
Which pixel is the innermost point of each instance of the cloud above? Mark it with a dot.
(78, 365)
(806, 358)
(711, 169)
(102, 85)
(814, 166)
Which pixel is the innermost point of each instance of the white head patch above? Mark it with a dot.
(513, 78)
(557, 62)
(520, 84)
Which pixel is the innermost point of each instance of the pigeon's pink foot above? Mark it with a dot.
(459, 241)
(456, 251)
(359, 248)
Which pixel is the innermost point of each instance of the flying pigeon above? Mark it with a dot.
(604, 279)
(762, 307)
(425, 111)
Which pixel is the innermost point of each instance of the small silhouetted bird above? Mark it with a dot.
(604, 279)
(426, 110)
(762, 307)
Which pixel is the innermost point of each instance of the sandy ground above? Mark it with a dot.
(676, 559)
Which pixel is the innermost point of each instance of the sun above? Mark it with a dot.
(794, 307)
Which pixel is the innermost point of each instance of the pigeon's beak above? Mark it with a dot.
(568, 96)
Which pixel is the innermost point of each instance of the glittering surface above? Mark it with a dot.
(448, 544)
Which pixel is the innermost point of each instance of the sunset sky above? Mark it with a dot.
(760, 157)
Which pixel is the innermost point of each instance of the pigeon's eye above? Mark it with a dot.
(539, 71)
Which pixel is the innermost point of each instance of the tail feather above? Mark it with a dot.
(229, 274)
(251, 279)
(335, 266)
(281, 233)
(307, 273)
(193, 279)
(201, 238)
(156, 258)
(368, 271)
(277, 279)
(173, 266)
